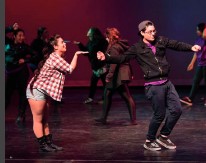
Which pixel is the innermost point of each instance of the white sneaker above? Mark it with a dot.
(167, 143)
(89, 100)
(152, 146)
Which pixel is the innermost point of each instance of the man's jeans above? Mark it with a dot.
(163, 97)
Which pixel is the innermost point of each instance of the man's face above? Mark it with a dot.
(149, 34)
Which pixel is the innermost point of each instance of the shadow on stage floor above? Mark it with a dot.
(73, 127)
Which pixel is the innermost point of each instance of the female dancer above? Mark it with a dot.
(48, 83)
(118, 77)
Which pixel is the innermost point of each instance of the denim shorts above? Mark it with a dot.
(38, 94)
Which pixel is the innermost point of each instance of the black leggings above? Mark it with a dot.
(200, 74)
(18, 81)
(93, 84)
(123, 90)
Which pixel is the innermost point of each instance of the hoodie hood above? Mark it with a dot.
(124, 44)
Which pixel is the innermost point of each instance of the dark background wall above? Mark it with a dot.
(176, 19)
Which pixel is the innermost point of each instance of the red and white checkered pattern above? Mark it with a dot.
(52, 76)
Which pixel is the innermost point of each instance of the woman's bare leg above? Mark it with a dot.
(37, 109)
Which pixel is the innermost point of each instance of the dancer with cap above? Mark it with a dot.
(150, 53)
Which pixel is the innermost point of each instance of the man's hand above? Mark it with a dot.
(100, 56)
(196, 48)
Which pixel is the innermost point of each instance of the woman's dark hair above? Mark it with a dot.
(40, 31)
(201, 27)
(96, 33)
(98, 39)
(15, 32)
(47, 50)
(113, 35)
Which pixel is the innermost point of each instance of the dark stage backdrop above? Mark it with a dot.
(176, 19)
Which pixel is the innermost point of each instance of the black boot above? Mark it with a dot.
(43, 147)
(21, 117)
(106, 107)
(101, 120)
(50, 143)
(23, 103)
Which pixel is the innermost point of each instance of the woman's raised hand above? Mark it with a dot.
(81, 52)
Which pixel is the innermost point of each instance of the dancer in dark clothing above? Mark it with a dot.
(200, 73)
(38, 44)
(150, 53)
(118, 77)
(97, 42)
(17, 55)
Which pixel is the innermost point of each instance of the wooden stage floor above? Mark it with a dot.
(73, 127)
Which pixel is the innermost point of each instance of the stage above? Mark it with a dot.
(73, 127)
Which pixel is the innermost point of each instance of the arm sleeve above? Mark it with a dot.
(34, 55)
(82, 47)
(175, 45)
(131, 53)
(62, 65)
(112, 67)
(9, 29)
